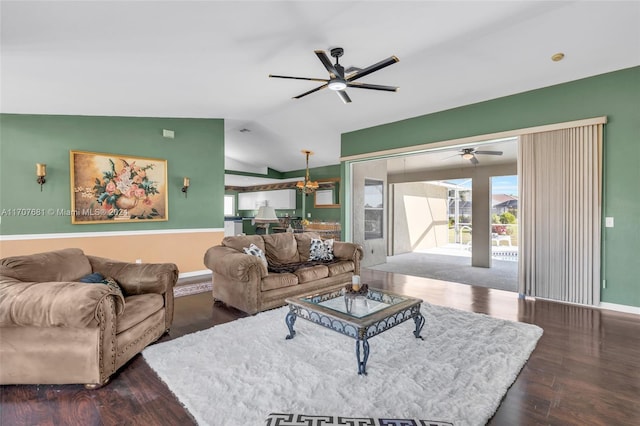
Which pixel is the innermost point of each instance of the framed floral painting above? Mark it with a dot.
(109, 188)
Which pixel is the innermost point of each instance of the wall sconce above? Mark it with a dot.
(185, 186)
(41, 172)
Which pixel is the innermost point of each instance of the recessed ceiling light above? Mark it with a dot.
(557, 57)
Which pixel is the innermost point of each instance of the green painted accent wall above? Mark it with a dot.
(315, 173)
(197, 152)
(615, 95)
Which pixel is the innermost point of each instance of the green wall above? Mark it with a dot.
(616, 95)
(197, 152)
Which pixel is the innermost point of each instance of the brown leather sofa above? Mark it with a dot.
(56, 330)
(240, 280)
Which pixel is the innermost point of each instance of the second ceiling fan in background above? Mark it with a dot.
(337, 80)
(470, 154)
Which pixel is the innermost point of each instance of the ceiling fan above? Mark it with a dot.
(337, 80)
(470, 154)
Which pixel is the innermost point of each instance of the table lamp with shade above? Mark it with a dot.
(266, 215)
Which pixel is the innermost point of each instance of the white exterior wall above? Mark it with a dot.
(420, 219)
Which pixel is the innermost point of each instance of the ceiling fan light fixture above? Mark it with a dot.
(467, 155)
(337, 85)
(337, 82)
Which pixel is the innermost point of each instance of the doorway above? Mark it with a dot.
(435, 227)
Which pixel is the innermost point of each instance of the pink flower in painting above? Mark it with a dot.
(147, 201)
(132, 190)
(139, 193)
(110, 188)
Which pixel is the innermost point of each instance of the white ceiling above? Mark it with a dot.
(212, 59)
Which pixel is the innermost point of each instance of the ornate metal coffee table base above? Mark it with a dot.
(361, 329)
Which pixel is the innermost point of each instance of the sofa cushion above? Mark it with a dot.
(303, 240)
(281, 248)
(53, 266)
(253, 250)
(341, 267)
(139, 308)
(321, 250)
(274, 281)
(239, 242)
(311, 274)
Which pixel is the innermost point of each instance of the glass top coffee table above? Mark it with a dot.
(360, 316)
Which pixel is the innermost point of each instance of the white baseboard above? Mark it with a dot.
(620, 308)
(602, 305)
(191, 274)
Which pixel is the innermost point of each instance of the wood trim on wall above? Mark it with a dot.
(324, 183)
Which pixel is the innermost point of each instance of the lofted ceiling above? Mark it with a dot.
(211, 59)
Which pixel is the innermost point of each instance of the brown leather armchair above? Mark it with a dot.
(56, 330)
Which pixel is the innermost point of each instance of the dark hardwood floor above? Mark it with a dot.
(584, 371)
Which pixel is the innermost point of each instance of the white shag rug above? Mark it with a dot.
(236, 374)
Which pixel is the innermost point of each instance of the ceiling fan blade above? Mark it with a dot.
(372, 86)
(311, 91)
(474, 160)
(450, 156)
(488, 152)
(373, 68)
(298, 78)
(343, 95)
(327, 63)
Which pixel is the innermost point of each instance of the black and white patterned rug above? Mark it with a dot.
(289, 419)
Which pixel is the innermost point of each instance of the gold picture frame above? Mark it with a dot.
(112, 188)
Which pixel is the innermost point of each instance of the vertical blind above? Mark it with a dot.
(560, 214)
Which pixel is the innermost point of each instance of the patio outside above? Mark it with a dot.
(504, 219)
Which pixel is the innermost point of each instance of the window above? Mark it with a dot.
(373, 209)
(229, 201)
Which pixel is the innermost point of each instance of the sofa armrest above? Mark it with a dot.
(52, 304)
(349, 251)
(233, 264)
(138, 278)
